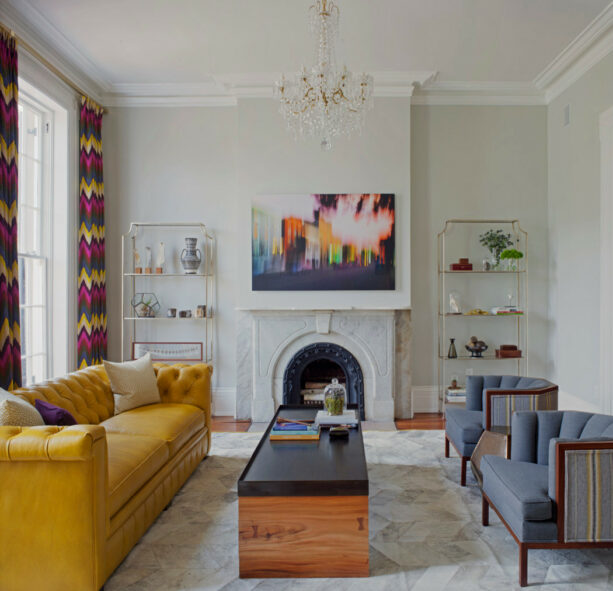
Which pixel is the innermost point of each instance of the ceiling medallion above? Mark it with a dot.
(325, 101)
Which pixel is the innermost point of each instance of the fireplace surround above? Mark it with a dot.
(379, 340)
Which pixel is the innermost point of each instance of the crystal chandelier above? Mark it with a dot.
(325, 101)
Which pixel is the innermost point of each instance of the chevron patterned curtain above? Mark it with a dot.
(10, 347)
(91, 343)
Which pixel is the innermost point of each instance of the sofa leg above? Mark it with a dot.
(485, 512)
(446, 447)
(523, 565)
(463, 474)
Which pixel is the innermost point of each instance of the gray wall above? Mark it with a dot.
(477, 162)
(574, 222)
(204, 164)
(173, 165)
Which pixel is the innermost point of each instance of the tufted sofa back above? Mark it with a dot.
(533, 431)
(476, 385)
(87, 394)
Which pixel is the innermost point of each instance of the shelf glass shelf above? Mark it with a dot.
(477, 272)
(167, 275)
(449, 315)
(484, 358)
(166, 318)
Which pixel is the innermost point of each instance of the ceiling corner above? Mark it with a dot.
(31, 26)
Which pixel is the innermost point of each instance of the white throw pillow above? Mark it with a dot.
(133, 383)
(15, 412)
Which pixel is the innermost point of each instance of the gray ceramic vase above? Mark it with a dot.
(190, 256)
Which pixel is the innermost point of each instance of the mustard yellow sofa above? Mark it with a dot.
(75, 500)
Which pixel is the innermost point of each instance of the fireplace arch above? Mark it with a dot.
(348, 364)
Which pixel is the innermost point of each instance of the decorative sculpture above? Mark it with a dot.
(137, 265)
(147, 259)
(160, 259)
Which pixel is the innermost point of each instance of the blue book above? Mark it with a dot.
(291, 427)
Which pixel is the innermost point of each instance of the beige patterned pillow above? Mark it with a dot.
(133, 383)
(15, 412)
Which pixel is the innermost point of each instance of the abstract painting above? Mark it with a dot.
(323, 242)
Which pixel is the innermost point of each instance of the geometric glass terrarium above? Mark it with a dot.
(145, 305)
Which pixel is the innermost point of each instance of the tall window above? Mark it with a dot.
(34, 240)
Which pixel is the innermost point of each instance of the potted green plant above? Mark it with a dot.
(495, 241)
(512, 257)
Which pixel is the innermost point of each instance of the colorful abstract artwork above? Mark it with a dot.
(323, 242)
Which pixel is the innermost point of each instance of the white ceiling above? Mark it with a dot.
(188, 41)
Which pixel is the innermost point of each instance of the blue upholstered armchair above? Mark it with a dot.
(556, 490)
(490, 403)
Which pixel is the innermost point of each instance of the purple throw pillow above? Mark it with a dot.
(54, 415)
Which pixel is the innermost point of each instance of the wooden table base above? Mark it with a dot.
(303, 536)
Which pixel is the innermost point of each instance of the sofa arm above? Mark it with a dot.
(53, 508)
(584, 489)
(186, 384)
(500, 404)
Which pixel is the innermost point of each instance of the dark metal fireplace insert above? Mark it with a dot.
(316, 365)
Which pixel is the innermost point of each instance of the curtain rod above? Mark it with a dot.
(35, 54)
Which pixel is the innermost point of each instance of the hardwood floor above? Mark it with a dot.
(421, 421)
(229, 425)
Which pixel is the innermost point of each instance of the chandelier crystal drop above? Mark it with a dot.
(325, 101)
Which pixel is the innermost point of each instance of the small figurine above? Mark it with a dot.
(148, 259)
(137, 266)
(160, 259)
(454, 303)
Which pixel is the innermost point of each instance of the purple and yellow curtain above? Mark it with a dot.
(10, 347)
(91, 344)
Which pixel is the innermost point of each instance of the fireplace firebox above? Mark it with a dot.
(314, 366)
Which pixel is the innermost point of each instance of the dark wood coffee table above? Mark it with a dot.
(303, 506)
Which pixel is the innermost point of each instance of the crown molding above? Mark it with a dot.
(169, 101)
(589, 47)
(479, 93)
(31, 26)
(210, 93)
(386, 84)
(225, 90)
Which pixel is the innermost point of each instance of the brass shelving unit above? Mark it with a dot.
(193, 289)
(513, 281)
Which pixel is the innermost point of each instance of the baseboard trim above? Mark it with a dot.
(224, 402)
(424, 399)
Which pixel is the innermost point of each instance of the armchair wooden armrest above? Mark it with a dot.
(501, 404)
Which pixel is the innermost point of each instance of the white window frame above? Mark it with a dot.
(44, 238)
(36, 81)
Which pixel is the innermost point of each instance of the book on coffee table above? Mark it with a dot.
(285, 430)
(349, 417)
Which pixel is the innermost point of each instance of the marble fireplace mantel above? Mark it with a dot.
(378, 338)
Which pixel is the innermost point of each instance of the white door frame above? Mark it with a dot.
(606, 261)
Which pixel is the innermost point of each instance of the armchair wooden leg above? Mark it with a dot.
(523, 565)
(463, 476)
(485, 512)
(446, 446)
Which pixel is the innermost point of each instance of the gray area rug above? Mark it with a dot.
(425, 531)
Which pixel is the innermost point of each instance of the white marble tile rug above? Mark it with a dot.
(425, 531)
